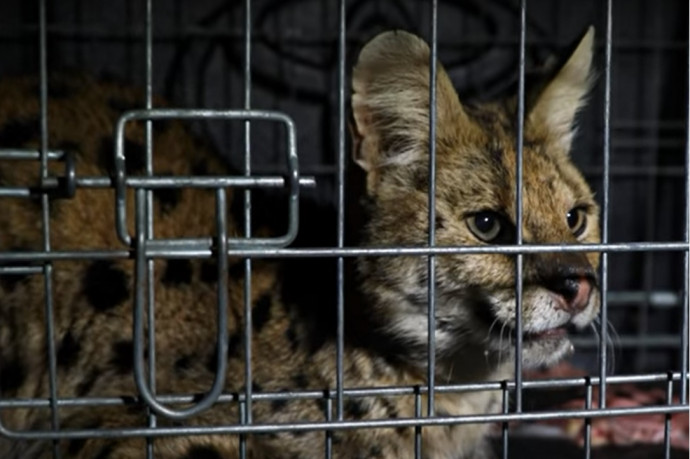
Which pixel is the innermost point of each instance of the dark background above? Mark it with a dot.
(199, 62)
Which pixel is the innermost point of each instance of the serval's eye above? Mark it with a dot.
(485, 225)
(577, 220)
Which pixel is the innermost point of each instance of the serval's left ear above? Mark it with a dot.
(560, 99)
(390, 105)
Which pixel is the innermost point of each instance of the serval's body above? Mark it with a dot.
(293, 343)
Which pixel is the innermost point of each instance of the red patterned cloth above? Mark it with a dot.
(621, 430)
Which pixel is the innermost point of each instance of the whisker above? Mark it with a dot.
(500, 343)
(488, 334)
(610, 344)
(612, 338)
(595, 329)
(594, 326)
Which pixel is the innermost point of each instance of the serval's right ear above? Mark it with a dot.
(560, 100)
(390, 104)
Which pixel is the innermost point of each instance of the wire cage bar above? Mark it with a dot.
(145, 249)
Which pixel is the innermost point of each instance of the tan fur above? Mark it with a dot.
(386, 322)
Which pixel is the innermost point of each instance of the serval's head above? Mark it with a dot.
(475, 206)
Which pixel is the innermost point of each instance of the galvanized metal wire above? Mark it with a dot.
(144, 249)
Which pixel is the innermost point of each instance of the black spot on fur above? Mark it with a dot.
(105, 452)
(390, 409)
(321, 404)
(122, 358)
(300, 380)
(74, 446)
(529, 142)
(17, 133)
(135, 156)
(256, 387)
(209, 271)
(234, 345)
(236, 271)
(420, 179)
(212, 361)
(355, 408)
(485, 118)
(168, 198)
(291, 336)
(202, 452)
(261, 312)
(439, 222)
(277, 405)
(105, 285)
(69, 147)
(375, 451)
(86, 384)
(10, 281)
(496, 153)
(133, 406)
(184, 363)
(12, 375)
(68, 351)
(177, 272)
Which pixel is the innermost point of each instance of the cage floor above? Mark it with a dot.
(532, 447)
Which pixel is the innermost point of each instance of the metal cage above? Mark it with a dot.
(269, 62)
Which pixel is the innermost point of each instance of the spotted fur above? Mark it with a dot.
(293, 328)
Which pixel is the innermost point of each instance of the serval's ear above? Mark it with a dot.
(390, 103)
(560, 99)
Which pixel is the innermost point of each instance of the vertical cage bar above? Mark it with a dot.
(667, 417)
(652, 80)
(431, 260)
(243, 440)
(43, 88)
(504, 426)
(179, 14)
(151, 318)
(603, 329)
(130, 7)
(588, 421)
(518, 207)
(247, 419)
(328, 444)
(685, 304)
(341, 210)
(50, 322)
(45, 217)
(417, 429)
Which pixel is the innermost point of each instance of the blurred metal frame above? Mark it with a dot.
(145, 249)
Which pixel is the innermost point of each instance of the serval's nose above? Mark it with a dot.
(574, 291)
(570, 277)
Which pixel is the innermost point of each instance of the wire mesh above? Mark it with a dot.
(146, 249)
